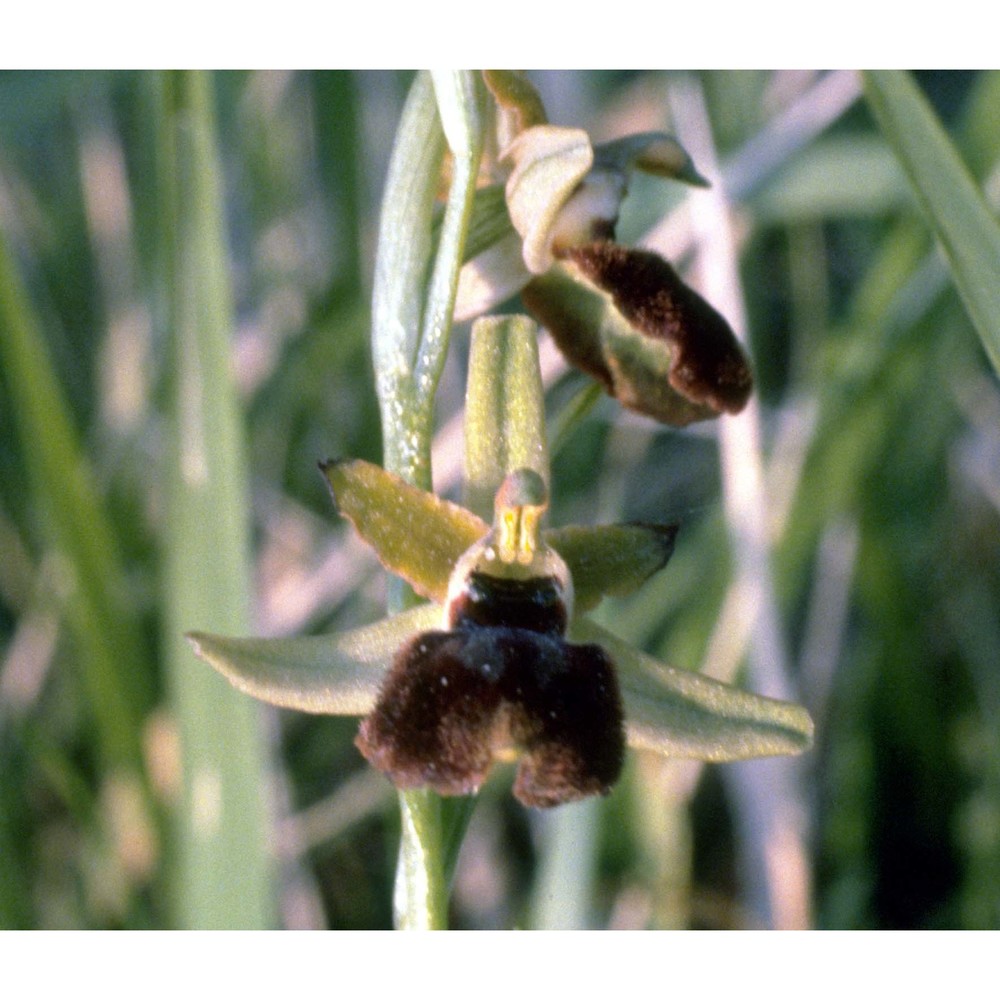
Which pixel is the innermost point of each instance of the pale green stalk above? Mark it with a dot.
(223, 868)
(566, 874)
(412, 308)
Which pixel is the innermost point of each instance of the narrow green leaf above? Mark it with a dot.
(223, 863)
(402, 266)
(93, 591)
(683, 714)
(460, 105)
(327, 674)
(404, 241)
(963, 222)
(504, 408)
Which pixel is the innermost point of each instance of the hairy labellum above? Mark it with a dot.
(626, 318)
(501, 676)
(454, 700)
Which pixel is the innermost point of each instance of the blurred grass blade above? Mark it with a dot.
(16, 868)
(504, 408)
(567, 870)
(93, 591)
(963, 222)
(223, 865)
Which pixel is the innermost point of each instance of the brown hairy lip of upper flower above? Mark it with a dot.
(707, 365)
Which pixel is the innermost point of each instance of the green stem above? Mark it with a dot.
(421, 899)
(412, 309)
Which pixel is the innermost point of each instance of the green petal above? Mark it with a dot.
(611, 559)
(415, 534)
(655, 153)
(329, 674)
(683, 714)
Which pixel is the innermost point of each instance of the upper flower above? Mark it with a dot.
(622, 315)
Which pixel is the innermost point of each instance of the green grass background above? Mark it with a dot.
(134, 792)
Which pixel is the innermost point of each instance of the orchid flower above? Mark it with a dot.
(622, 315)
(503, 658)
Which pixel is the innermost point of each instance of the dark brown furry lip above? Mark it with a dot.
(535, 604)
(453, 699)
(502, 675)
(707, 367)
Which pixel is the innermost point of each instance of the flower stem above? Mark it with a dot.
(413, 303)
(421, 898)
